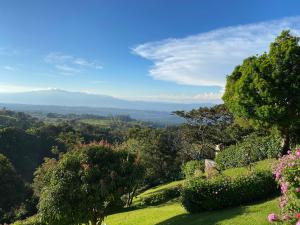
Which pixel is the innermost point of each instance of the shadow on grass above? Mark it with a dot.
(206, 218)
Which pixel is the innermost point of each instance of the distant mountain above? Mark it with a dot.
(79, 99)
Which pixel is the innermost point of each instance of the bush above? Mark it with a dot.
(200, 195)
(35, 220)
(254, 148)
(193, 168)
(160, 197)
(287, 173)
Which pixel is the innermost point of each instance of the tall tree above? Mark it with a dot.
(265, 89)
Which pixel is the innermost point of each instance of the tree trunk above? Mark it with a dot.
(131, 196)
(285, 144)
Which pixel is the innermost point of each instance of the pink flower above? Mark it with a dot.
(284, 187)
(298, 223)
(298, 153)
(297, 190)
(273, 217)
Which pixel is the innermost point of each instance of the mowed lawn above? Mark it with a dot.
(174, 214)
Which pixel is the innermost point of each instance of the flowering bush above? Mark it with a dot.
(287, 174)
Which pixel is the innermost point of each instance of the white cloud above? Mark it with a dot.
(206, 58)
(9, 68)
(10, 88)
(212, 97)
(68, 64)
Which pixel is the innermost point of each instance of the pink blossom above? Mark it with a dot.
(298, 223)
(273, 217)
(297, 190)
(284, 187)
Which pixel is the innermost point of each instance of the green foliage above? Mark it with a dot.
(42, 175)
(12, 190)
(35, 220)
(254, 148)
(85, 185)
(193, 168)
(200, 195)
(265, 89)
(158, 150)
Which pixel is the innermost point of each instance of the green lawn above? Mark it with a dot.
(157, 189)
(174, 214)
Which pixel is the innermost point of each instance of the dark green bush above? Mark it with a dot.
(254, 148)
(200, 195)
(161, 197)
(191, 168)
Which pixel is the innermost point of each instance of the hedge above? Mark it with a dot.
(200, 195)
(254, 148)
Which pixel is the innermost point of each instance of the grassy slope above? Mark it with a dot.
(173, 213)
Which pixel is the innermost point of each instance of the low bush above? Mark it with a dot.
(193, 168)
(160, 197)
(200, 195)
(254, 148)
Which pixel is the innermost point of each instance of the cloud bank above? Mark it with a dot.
(206, 58)
(211, 97)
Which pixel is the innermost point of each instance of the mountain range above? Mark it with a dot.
(61, 101)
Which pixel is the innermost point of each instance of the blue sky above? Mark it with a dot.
(153, 50)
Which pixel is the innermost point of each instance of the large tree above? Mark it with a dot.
(265, 89)
(85, 185)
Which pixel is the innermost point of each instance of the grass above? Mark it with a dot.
(155, 190)
(173, 213)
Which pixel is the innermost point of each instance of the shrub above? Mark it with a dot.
(193, 168)
(160, 197)
(35, 220)
(254, 148)
(200, 195)
(287, 173)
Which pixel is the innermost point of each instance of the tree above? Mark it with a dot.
(159, 151)
(265, 89)
(204, 128)
(85, 185)
(12, 189)
(138, 172)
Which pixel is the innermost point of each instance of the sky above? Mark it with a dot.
(150, 50)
